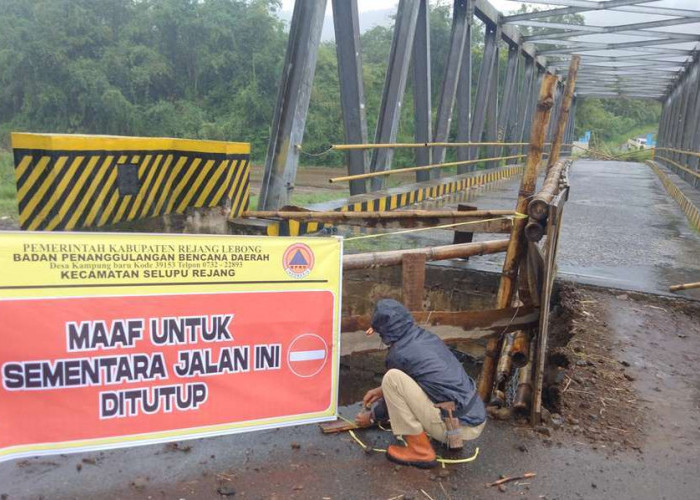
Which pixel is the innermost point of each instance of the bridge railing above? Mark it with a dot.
(679, 128)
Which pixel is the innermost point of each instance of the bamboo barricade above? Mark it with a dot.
(538, 206)
(370, 175)
(539, 354)
(564, 118)
(516, 243)
(395, 257)
(684, 286)
(595, 153)
(339, 217)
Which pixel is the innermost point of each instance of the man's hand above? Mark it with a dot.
(363, 419)
(372, 396)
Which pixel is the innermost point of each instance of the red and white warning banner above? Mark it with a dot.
(120, 364)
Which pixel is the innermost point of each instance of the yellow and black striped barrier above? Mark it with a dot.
(692, 212)
(391, 201)
(66, 182)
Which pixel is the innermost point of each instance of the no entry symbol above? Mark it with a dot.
(307, 355)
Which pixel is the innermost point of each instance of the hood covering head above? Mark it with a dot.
(391, 320)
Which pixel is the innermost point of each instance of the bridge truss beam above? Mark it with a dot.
(679, 128)
(651, 55)
(659, 39)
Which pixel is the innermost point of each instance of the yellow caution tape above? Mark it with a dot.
(364, 447)
(444, 226)
(443, 461)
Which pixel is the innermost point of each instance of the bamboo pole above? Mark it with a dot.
(685, 286)
(555, 151)
(416, 145)
(395, 257)
(520, 353)
(337, 216)
(538, 208)
(417, 169)
(534, 230)
(504, 366)
(523, 395)
(516, 244)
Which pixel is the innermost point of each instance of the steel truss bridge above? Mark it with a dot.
(638, 49)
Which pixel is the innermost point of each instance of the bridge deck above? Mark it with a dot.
(621, 229)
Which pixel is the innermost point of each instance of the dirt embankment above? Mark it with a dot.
(607, 368)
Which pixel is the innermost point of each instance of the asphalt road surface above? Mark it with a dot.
(620, 229)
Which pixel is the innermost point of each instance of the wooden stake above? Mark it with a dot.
(413, 280)
(517, 242)
(564, 117)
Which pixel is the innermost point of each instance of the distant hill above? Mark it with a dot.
(368, 19)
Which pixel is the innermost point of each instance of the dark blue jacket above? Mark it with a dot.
(426, 359)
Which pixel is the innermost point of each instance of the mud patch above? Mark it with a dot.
(591, 388)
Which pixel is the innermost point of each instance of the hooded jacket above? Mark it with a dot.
(426, 359)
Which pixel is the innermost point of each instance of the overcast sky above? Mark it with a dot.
(365, 5)
(502, 5)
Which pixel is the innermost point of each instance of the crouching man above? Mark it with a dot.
(425, 393)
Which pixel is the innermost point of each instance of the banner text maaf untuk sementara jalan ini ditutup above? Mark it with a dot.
(142, 367)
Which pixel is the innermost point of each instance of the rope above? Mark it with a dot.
(315, 155)
(444, 226)
(441, 460)
(364, 446)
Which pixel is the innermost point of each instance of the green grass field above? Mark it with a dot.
(8, 203)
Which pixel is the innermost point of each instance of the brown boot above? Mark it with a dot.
(417, 452)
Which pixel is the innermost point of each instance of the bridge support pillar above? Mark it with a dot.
(508, 109)
(464, 89)
(394, 86)
(352, 93)
(483, 89)
(292, 104)
(422, 91)
(450, 80)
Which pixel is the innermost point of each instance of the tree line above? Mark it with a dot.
(206, 69)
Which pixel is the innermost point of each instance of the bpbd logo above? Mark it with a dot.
(298, 261)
